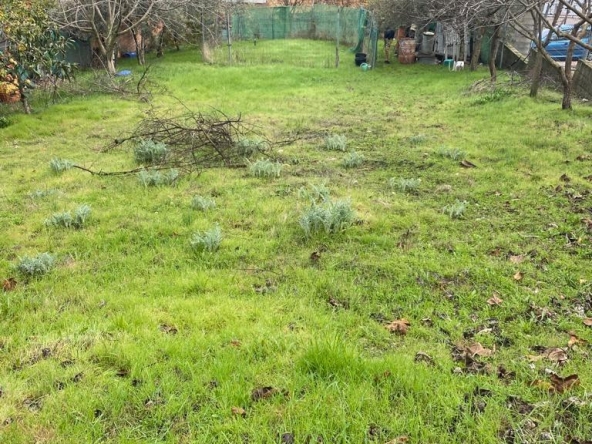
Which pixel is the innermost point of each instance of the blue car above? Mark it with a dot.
(557, 47)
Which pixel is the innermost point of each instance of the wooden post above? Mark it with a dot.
(228, 37)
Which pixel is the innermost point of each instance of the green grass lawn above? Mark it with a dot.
(135, 338)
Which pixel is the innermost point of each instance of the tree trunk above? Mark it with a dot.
(536, 74)
(111, 64)
(494, 46)
(566, 102)
(477, 49)
(139, 43)
(24, 99)
(160, 43)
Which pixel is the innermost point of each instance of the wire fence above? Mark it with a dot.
(316, 36)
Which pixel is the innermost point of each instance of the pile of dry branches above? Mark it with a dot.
(195, 140)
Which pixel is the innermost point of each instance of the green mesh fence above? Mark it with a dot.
(305, 36)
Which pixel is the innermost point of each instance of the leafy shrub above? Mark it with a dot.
(38, 194)
(4, 122)
(336, 142)
(316, 193)
(248, 147)
(405, 185)
(37, 265)
(331, 217)
(58, 166)
(149, 152)
(451, 153)
(66, 220)
(265, 168)
(353, 160)
(208, 240)
(455, 210)
(418, 139)
(154, 178)
(203, 203)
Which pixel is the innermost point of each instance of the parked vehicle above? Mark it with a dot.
(557, 47)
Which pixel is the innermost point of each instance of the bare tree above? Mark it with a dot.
(547, 16)
(105, 20)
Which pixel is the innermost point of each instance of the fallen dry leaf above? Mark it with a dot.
(587, 322)
(287, 438)
(235, 343)
(399, 440)
(565, 178)
(263, 393)
(168, 329)
(238, 411)
(588, 223)
(518, 276)
(560, 384)
(467, 164)
(495, 300)
(424, 357)
(517, 259)
(478, 350)
(9, 284)
(574, 340)
(399, 326)
(556, 355)
(315, 256)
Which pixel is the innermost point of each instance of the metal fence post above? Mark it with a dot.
(338, 36)
(228, 38)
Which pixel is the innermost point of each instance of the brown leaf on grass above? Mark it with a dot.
(235, 343)
(556, 355)
(516, 259)
(399, 326)
(504, 374)
(497, 251)
(238, 411)
(495, 300)
(287, 438)
(583, 157)
(575, 340)
(168, 329)
(478, 350)
(579, 441)
(518, 276)
(263, 393)
(399, 440)
(560, 384)
(424, 357)
(565, 178)
(588, 223)
(587, 322)
(9, 284)
(315, 257)
(519, 405)
(467, 164)
(336, 303)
